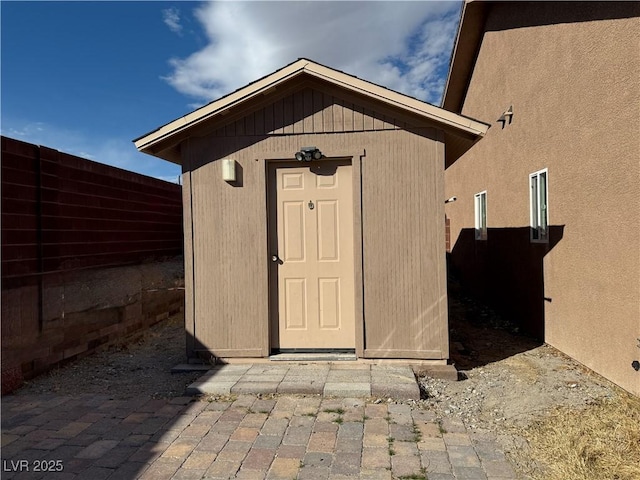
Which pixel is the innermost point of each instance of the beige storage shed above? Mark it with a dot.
(314, 217)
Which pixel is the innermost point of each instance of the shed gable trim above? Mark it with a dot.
(172, 133)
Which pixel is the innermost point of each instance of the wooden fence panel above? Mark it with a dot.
(61, 212)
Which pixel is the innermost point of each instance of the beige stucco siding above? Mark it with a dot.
(575, 93)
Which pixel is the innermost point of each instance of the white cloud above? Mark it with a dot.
(404, 46)
(171, 18)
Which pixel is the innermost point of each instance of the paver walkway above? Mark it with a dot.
(332, 379)
(246, 437)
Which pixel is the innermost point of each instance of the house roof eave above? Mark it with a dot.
(473, 16)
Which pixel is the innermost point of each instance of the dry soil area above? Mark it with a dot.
(138, 365)
(508, 382)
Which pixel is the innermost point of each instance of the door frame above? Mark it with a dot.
(272, 244)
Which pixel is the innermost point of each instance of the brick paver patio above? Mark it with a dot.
(242, 436)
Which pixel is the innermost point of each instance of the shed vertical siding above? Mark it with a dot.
(403, 215)
(229, 255)
(403, 264)
(189, 297)
(310, 110)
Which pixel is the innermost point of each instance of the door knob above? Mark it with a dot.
(274, 258)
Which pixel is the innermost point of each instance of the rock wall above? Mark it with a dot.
(72, 314)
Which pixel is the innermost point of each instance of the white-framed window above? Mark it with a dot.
(480, 202)
(539, 210)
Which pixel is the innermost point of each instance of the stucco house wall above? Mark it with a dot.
(571, 74)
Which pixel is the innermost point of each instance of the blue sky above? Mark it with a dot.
(88, 77)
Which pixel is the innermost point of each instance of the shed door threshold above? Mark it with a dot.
(317, 354)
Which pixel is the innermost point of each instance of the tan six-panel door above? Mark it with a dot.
(315, 270)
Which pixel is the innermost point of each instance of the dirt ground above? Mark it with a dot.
(509, 381)
(506, 378)
(138, 365)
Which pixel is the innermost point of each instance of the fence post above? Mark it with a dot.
(39, 242)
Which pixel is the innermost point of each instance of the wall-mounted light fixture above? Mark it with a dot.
(306, 154)
(229, 170)
(508, 114)
(452, 199)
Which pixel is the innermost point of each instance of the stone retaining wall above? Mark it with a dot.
(72, 314)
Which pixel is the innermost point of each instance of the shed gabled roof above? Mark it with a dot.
(161, 142)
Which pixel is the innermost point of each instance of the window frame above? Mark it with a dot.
(480, 214)
(539, 213)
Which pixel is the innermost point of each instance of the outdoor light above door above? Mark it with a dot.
(306, 154)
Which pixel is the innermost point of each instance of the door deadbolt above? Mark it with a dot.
(274, 258)
(311, 205)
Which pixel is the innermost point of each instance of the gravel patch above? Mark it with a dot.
(515, 390)
(507, 381)
(139, 365)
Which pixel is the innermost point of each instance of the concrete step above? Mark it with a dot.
(313, 357)
(335, 379)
